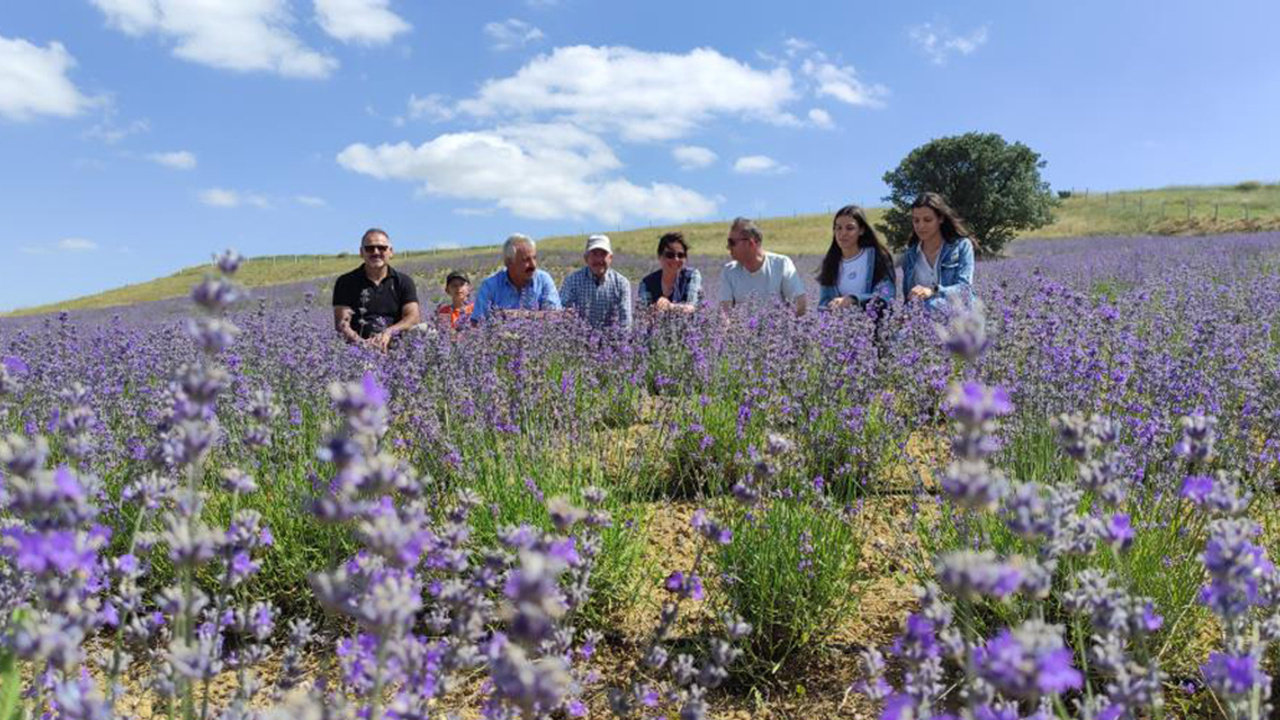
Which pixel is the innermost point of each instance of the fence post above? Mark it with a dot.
(1188, 209)
(1139, 204)
(1215, 212)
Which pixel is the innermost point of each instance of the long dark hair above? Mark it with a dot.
(829, 273)
(952, 224)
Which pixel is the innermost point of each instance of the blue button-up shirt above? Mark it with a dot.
(497, 293)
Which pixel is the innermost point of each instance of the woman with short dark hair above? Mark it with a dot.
(675, 286)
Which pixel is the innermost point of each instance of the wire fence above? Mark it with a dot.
(1177, 208)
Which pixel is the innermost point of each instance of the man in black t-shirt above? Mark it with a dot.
(374, 302)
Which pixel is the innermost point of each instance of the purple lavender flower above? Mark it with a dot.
(1118, 532)
(14, 365)
(1028, 661)
(1199, 433)
(971, 575)
(686, 586)
(1196, 488)
(228, 261)
(965, 333)
(1234, 676)
(974, 484)
(710, 529)
(59, 551)
(216, 294)
(974, 403)
(1240, 573)
(11, 369)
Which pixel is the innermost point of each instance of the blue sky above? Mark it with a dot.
(140, 136)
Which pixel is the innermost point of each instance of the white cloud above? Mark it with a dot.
(641, 95)
(74, 244)
(939, 42)
(33, 81)
(511, 33)
(239, 35)
(759, 165)
(692, 157)
(841, 82)
(310, 200)
(65, 245)
(223, 198)
(360, 21)
(432, 107)
(820, 118)
(795, 46)
(110, 133)
(180, 160)
(217, 197)
(539, 171)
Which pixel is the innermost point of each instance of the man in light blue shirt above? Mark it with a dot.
(520, 289)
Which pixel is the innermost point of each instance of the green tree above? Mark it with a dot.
(994, 185)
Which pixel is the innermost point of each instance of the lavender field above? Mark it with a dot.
(1059, 504)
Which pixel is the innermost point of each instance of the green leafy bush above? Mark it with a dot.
(791, 571)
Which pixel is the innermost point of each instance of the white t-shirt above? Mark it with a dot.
(925, 273)
(776, 279)
(853, 275)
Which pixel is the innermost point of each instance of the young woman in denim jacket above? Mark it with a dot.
(857, 269)
(937, 267)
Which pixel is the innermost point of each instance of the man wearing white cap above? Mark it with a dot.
(597, 292)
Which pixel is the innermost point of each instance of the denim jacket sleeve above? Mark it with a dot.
(961, 277)
(908, 271)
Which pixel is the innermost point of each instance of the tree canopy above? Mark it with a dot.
(993, 185)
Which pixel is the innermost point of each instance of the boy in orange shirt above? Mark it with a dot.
(458, 287)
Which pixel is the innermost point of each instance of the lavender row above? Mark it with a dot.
(490, 489)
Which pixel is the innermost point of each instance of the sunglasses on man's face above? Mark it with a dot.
(673, 255)
(376, 248)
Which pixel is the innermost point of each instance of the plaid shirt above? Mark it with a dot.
(602, 304)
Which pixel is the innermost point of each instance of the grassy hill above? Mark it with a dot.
(1244, 207)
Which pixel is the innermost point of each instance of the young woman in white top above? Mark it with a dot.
(857, 269)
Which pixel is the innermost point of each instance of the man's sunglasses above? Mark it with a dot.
(672, 255)
(376, 248)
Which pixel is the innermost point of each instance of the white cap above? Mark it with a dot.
(599, 241)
